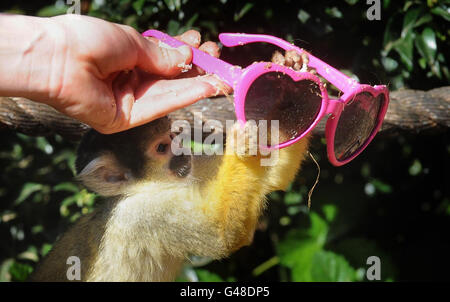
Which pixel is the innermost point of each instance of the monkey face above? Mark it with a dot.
(159, 152)
(108, 164)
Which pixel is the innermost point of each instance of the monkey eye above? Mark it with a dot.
(162, 148)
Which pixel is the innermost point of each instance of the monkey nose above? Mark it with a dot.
(180, 165)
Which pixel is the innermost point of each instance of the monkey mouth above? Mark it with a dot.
(180, 165)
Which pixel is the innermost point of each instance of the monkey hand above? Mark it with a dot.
(242, 140)
(292, 59)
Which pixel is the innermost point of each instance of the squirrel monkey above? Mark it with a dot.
(159, 208)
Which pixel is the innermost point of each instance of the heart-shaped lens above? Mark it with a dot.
(356, 124)
(275, 96)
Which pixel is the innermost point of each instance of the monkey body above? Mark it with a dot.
(160, 208)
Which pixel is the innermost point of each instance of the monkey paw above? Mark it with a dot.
(292, 59)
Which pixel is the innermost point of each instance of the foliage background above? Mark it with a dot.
(391, 202)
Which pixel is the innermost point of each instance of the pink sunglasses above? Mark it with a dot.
(299, 100)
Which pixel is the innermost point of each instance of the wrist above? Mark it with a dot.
(27, 55)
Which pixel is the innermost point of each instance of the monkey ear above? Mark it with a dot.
(105, 176)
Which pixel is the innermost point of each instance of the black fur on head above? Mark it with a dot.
(128, 147)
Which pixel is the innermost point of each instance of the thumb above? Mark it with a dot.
(160, 59)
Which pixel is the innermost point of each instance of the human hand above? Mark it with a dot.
(110, 77)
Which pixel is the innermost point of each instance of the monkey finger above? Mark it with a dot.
(193, 39)
(190, 37)
(210, 48)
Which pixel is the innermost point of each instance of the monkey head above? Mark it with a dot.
(110, 163)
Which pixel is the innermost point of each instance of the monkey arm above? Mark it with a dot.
(81, 240)
(236, 195)
(289, 162)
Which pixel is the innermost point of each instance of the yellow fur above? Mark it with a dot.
(236, 196)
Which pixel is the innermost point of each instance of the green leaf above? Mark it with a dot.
(407, 5)
(68, 201)
(330, 211)
(424, 19)
(409, 21)
(318, 228)
(297, 249)
(74, 217)
(66, 186)
(46, 247)
(4, 270)
(415, 168)
(191, 21)
(388, 37)
(30, 254)
(381, 186)
(330, 267)
(389, 64)
(333, 12)
(301, 271)
(173, 27)
(138, 5)
(20, 271)
(44, 145)
(67, 156)
(247, 7)
(37, 229)
(297, 255)
(27, 190)
(290, 247)
(52, 10)
(294, 210)
(443, 12)
(291, 198)
(422, 63)
(206, 276)
(303, 16)
(84, 198)
(404, 47)
(426, 44)
(173, 4)
(266, 265)
(64, 208)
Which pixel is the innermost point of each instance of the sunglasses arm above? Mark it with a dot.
(331, 74)
(230, 74)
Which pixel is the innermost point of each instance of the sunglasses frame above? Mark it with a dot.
(241, 80)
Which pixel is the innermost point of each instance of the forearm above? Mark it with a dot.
(27, 51)
(235, 197)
